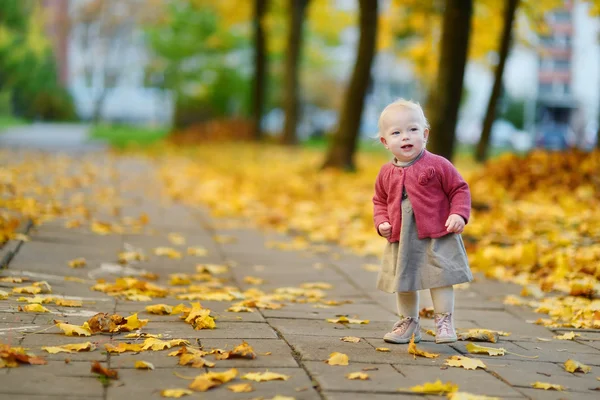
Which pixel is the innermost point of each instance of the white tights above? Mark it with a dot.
(443, 301)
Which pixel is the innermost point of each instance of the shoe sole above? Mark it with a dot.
(403, 341)
(447, 340)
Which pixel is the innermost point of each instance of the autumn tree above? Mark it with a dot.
(505, 41)
(343, 143)
(291, 102)
(260, 66)
(444, 103)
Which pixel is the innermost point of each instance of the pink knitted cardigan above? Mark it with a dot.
(435, 189)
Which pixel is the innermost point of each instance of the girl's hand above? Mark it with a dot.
(455, 223)
(385, 230)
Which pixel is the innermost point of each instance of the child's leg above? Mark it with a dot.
(408, 325)
(443, 305)
(408, 304)
(443, 299)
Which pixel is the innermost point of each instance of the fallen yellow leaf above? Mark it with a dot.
(78, 262)
(479, 335)
(75, 330)
(157, 344)
(241, 388)
(358, 376)
(143, 365)
(34, 308)
(383, 349)
(345, 320)
(336, 358)
(469, 396)
(3, 295)
(197, 251)
(576, 366)
(133, 323)
(412, 349)
(350, 339)
(159, 309)
(252, 280)
(168, 252)
(123, 347)
(567, 336)
(70, 348)
(176, 239)
(436, 387)
(68, 303)
(175, 393)
(211, 379)
(547, 386)
(465, 362)
(265, 376)
(476, 349)
(239, 309)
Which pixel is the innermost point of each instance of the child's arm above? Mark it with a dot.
(380, 212)
(457, 191)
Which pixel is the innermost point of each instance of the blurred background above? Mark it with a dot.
(492, 75)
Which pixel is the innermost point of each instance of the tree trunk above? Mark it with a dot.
(260, 67)
(342, 147)
(445, 97)
(292, 67)
(481, 153)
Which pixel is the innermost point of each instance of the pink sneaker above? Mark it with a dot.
(403, 331)
(444, 328)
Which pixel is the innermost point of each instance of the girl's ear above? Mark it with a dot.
(382, 140)
(426, 134)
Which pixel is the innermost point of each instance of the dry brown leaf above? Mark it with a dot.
(412, 349)
(11, 357)
(99, 369)
(336, 358)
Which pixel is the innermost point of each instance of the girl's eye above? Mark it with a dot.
(413, 129)
(395, 133)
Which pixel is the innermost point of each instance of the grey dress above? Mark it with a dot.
(415, 264)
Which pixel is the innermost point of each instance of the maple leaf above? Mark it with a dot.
(241, 388)
(143, 365)
(465, 362)
(412, 349)
(479, 335)
(196, 360)
(14, 279)
(175, 393)
(575, 366)
(265, 376)
(132, 323)
(336, 358)
(3, 295)
(159, 309)
(157, 344)
(197, 251)
(383, 349)
(211, 379)
(11, 357)
(239, 309)
(436, 387)
(123, 347)
(358, 375)
(75, 330)
(68, 303)
(567, 336)
(179, 280)
(350, 339)
(70, 348)
(200, 317)
(476, 349)
(78, 263)
(99, 369)
(34, 308)
(547, 386)
(243, 350)
(168, 252)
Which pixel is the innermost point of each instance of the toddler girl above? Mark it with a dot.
(421, 206)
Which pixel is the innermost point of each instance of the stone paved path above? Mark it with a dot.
(297, 335)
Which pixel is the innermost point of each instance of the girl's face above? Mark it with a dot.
(403, 133)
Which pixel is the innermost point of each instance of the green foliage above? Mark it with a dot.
(203, 61)
(121, 136)
(28, 66)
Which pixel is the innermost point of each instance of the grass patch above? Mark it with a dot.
(8, 121)
(122, 136)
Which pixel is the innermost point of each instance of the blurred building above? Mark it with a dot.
(104, 73)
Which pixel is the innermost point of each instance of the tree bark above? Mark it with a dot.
(342, 147)
(292, 68)
(445, 97)
(481, 153)
(260, 67)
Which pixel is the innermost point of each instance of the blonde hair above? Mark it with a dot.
(411, 105)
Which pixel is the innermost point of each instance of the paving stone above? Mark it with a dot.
(476, 382)
(14, 396)
(385, 379)
(561, 350)
(47, 380)
(15, 317)
(524, 373)
(555, 395)
(36, 342)
(372, 396)
(370, 311)
(224, 330)
(309, 327)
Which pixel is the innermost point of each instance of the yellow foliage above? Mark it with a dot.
(363, 376)
(265, 376)
(143, 365)
(548, 386)
(575, 366)
(175, 393)
(492, 351)
(436, 387)
(465, 362)
(70, 348)
(336, 358)
(34, 308)
(412, 349)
